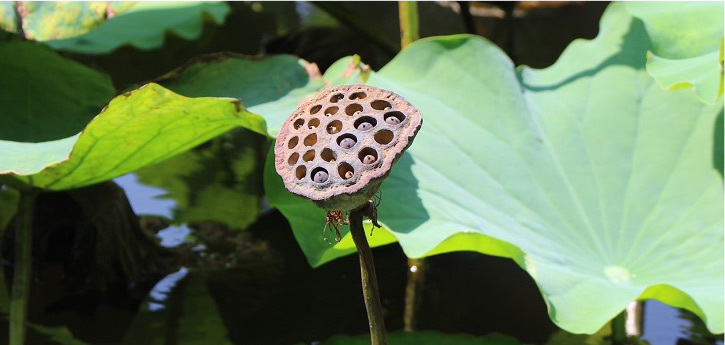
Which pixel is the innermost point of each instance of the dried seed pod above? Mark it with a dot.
(347, 143)
(320, 176)
(369, 159)
(364, 126)
(359, 131)
(392, 120)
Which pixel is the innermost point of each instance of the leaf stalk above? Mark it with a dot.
(22, 268)
(408, 11)
(619, 331)
(367, 273)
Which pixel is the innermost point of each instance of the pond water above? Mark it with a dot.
(221, 286)
(661, 324)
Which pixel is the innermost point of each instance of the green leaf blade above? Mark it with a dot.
(145, 25)
(140, 128)
(596, 181)
(281, 82)
(687, 40)
(47, 101)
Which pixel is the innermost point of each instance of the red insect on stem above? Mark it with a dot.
(333, 220)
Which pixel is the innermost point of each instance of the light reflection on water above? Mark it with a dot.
(161, 290)
(663, 324)
(148, 200)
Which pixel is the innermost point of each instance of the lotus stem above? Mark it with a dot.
(367, 273)
(413, 292)
(409, 33)
(22, 268)
(619, 332)
(408, 11)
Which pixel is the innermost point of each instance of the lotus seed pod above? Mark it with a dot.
(392, 120)
(369, 159)
(347, 143)
(337, 148)
(364, 126)
(320, 177)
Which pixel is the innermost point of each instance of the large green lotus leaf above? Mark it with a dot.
(53, 20)
(46, 101)
(281, 82)
(424, 338)
(8, 21)
(601, 185)
(687, 40)
(145, 25)
(50, 20)
(45, 96)
(140, 128)
(219, 181)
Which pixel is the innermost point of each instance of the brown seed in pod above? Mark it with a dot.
(364, 128)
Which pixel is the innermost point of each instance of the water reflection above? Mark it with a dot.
(146, 199)
(160, 292)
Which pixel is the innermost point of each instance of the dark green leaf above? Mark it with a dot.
(219, 181)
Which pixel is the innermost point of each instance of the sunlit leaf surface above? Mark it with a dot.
(600, 184)
(145, 25)
(140, 128)
(687, 41)
(53, 20)
(282, 82)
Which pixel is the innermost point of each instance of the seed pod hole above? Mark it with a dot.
(353, 109)
(336, 98)
(334, 127)
(320, 175)
(346, 141)
(310, 139)
(309, 156)
(293, 142)
(298, 123)
(357, 95)
(331, 111)
(314, 110)
(368, 155)
(380, 104)
(394, 118)
(345, 170)
(313, 123)
(300, 172)
(365, 123)
(328, 155)
(384, 137)
(293, 158)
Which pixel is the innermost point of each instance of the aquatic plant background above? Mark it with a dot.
(601, 175)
